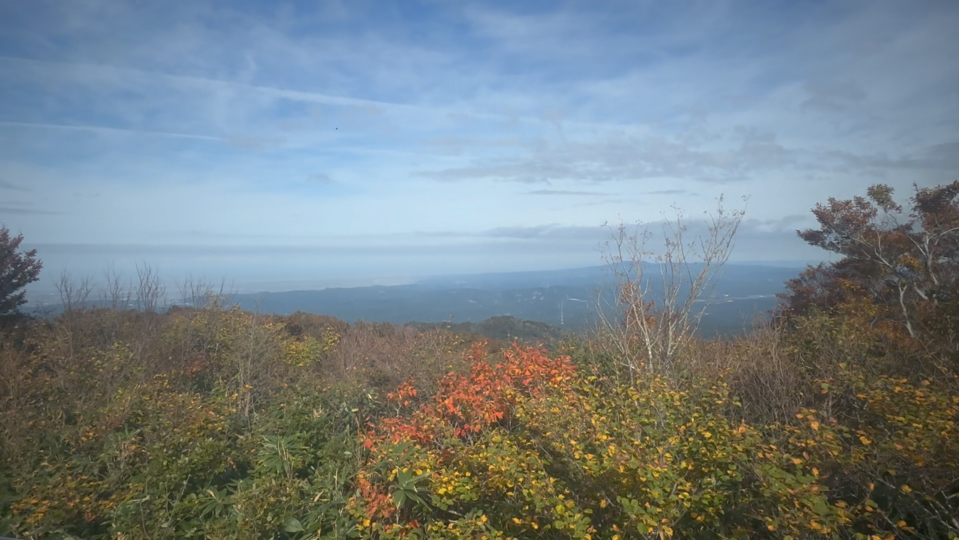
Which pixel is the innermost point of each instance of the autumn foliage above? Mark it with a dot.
(905, 263)
(840, 419)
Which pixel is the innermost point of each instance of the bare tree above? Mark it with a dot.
(649, 329)
(200, 293)
(73, 295)
(150, 289)
(113, 294)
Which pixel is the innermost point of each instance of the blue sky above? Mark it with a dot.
(359, 142)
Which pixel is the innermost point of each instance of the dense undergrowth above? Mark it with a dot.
(219, 423)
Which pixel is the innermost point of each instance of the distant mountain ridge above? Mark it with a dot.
(566, 299)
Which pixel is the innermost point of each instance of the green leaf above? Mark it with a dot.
(416, 498)
(292, 525)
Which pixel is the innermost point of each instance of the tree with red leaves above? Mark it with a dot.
(17, 269)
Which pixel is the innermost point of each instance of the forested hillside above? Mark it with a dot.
(837, 419)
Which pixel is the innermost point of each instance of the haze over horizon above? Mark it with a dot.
(370, 142)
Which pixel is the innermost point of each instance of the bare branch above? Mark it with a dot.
(150, 289)
(657, 327)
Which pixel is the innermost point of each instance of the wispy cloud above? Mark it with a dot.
(109, 130)
(553, 232)
(564, 192)
(667, 192)
(832, 95)
(633, 158)
(11, 186)
(25, 210)
(321, 178)
(209, 122)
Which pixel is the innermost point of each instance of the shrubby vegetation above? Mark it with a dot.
(838, 419)
(209, 422)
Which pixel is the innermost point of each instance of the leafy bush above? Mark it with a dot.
(528, 448)
(888, 448)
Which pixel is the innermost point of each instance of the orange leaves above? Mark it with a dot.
(477, 352)
(378, 502)
(402, 395)
(468, 404)
(463, 408)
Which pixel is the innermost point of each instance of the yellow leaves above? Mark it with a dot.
(653, 460)
(864, 440)
(905, 488)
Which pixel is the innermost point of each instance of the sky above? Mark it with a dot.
(326, 143)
